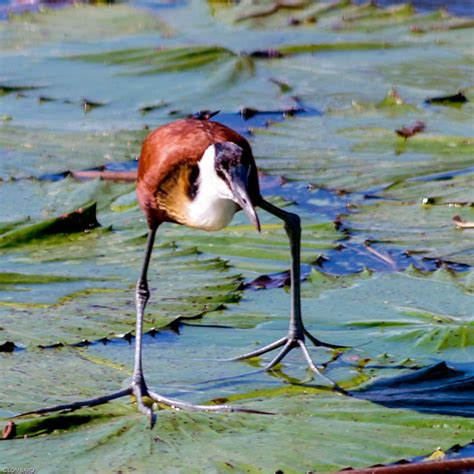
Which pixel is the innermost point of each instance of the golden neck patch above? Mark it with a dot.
(177, 191)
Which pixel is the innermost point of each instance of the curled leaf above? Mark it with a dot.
(7, 346)
(152, 107)
(88, 105)
(407, 132)
(82, 219)
(205, 114)
(122, 176)
(12, 88)
(269, 53)
(460, 224)
(9, 431)
(458, 98)
(269, 281)
(437, 455)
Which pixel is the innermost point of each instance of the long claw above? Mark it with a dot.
(319, 343)
(232, 377)
(180, 405)
(89, 402)
(139, 393)
(262, 350)
(288, 346)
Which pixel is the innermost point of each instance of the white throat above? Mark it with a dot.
(213, 206)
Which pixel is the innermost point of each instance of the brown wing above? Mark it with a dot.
(182, 143)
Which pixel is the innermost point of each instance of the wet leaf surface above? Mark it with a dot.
(82, 220)
(318, 89)
(322, 414)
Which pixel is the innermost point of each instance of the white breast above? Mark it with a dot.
(213, 207)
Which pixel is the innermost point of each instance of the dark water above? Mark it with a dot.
(456, 7)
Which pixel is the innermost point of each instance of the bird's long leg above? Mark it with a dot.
(138, 387)
(142, 294)
(296, 331)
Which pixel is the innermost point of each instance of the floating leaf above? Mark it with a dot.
(411, 131)
(88, 105)
(100, 21)
(7, 346)
(458, 98)
(117, 424)
(462, 224)
(10, 89)
(363, 209)
(436, 455)
(83, 219)
(337, 46)
(9, 431)
(28, 278)
(156, 60)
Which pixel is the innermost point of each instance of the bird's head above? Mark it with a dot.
(234, 171)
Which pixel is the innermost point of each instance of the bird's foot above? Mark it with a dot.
(145, 399)
(287, 344)
(142, 396)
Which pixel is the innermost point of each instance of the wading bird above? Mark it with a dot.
(199, 173)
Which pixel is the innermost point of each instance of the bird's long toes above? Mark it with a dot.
(313, 367)
(262, 350)
(319, 343)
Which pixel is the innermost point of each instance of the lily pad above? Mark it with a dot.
(30, 29)
(346, 415)
(372, 204)
(81, 220)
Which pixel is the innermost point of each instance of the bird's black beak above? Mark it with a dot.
(238, 184)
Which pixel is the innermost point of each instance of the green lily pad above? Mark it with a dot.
(153, 61)
(81, 220)
(67, 299)
(30, 29)
(307, 412)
